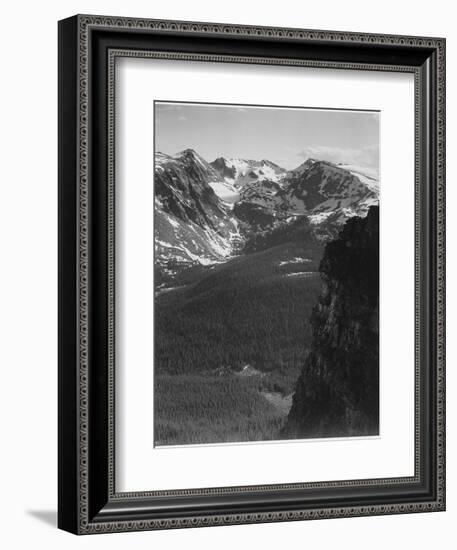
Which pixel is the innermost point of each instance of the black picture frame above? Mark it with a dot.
(87, 501)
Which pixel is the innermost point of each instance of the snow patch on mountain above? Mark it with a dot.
(239, 172)
(317, 219)
(304, 274)
(226, 191)
(296, 260)
(368, 176)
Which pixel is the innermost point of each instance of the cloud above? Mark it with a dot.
(365, 156)
(182, 117)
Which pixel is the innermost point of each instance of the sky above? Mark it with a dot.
(286, 136)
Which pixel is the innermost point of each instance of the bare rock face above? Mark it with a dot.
(337, 393)
(209, 213)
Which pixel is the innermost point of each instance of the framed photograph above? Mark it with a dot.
(251, 274)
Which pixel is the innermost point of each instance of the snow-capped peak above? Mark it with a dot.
(368, 176)
(243, 171)
(191, 155)
(304, 166)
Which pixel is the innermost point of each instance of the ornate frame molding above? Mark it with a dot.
(82, 521)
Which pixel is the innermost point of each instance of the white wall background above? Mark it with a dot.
(28, 289)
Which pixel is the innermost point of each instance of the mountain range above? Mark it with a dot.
(265, 293)
(209, 212)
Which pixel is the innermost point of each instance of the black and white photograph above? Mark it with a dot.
(266, 273)
(225, 299)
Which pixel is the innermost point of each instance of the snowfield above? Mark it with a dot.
(225, 191)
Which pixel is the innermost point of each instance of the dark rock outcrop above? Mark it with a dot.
(337, 393)
(222, 167)
(321, 186)
(182, 188)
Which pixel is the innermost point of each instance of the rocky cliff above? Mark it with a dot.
(337, 393)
